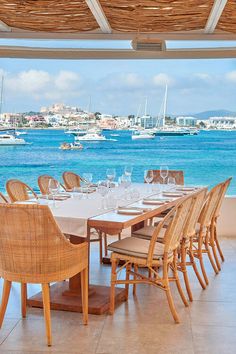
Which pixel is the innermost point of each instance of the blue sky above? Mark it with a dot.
(118, 87)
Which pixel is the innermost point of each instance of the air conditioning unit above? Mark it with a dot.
(153, 45)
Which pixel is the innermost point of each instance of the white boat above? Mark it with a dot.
(79, 132)
(20, 133)
(91, 137)
(8, 139)
(137, 135)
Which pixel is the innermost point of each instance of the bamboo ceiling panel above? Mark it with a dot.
(227, 21)
(157, 15)
(48, 15)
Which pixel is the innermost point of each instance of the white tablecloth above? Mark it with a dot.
(72, 214)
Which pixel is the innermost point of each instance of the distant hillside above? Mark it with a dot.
(216, 113)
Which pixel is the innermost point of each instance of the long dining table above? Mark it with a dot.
(80, 213)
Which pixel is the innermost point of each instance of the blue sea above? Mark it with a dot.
(206, 159)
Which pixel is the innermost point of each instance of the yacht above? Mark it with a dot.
(8, 139)
(18, 133)
(91, 137)
(137, 135)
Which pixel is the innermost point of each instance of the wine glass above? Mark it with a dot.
(164, 170)
(128, 170)
(88, 177)
(102, 189)
(111, 174)
(125, 182)
(53, 188)
(148, 177)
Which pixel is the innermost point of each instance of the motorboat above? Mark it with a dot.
(18, 133)
(137, 135)
(71, 146)
(91, 137)
(9, 139)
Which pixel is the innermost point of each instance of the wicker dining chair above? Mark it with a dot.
(185, 249)
(152, 254)
(33, 250)
(3, 199)
(201, 240)
(43, 183)
(178, 175)
(213, 240)
(71, 180)
(19, 191)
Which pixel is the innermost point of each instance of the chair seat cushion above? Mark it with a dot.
(147, 232)
(136, 247)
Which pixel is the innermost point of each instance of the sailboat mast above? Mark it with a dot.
(165, 105)
(1, 98)
(146, 102)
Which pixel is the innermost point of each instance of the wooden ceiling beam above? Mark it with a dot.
(215, 15)
(126, 54)
(98, 35)
(99, 15)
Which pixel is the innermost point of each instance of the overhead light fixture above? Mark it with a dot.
(153, 45)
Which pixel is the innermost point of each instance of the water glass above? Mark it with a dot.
(164, 170)
(53, 188)
(171, 181)
(103, 191)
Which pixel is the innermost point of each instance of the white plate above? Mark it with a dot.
(129, 211)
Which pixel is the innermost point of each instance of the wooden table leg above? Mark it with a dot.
(66, 295)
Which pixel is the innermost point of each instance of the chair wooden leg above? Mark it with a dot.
(113, 283)
(84, 293)
(23, 299)
(177, 281)
(135, 277)
(211, 259)
(194, 265)
(213, 246)
(203, 268)
(185, 273)
(100, 246)
(128, 268)
(105, 244)
(46, 309)
(168, 293)
(218, 245)
(5, 297)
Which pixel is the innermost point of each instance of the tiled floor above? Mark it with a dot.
(141, 325)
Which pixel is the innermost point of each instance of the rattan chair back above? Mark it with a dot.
(176, 220)
(32, 247)
(177, 175)
(71, 180)
(221, 197)
(210, 205)
(19, 191)
(194, 212)
(43, 183)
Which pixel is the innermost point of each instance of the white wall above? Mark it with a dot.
(227, 219)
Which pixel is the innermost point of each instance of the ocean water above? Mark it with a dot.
(206, 159)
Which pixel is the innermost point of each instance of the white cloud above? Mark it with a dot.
(203, 76)
(31, 81)
(231, 76)
(162, 80)
(67, 80)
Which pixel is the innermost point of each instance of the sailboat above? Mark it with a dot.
(161, 128)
